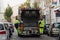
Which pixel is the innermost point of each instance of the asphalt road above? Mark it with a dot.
(43, 37)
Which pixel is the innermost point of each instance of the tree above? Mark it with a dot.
(8, 13)
(28, 3)
(35, 5)
(25, 5)
(22, 6)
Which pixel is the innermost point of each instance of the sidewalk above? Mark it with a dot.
(15, 35)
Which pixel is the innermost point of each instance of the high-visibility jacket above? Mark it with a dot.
(17, 22)
(41, 25)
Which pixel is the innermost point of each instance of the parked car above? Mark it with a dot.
(4, 32)
(54, 29)
(46, 28)
(59, 35)
(10, 27)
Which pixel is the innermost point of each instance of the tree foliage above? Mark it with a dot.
(8, 13)
(35, 4)
(28, 3)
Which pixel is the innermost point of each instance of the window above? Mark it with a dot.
(47, 26)
(57, 12)
(59, 1)
(57, 25)
(1, 27)
(27, 12)
(30, 13)
(6, 26)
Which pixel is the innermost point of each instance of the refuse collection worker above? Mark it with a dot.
(17, 22)
(19, 29)
(41, 25)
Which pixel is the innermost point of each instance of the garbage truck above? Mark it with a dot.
(29, 18)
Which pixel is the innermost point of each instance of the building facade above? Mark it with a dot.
(1, 10)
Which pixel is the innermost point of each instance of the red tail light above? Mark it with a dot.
(2, 32)
(21, 27)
